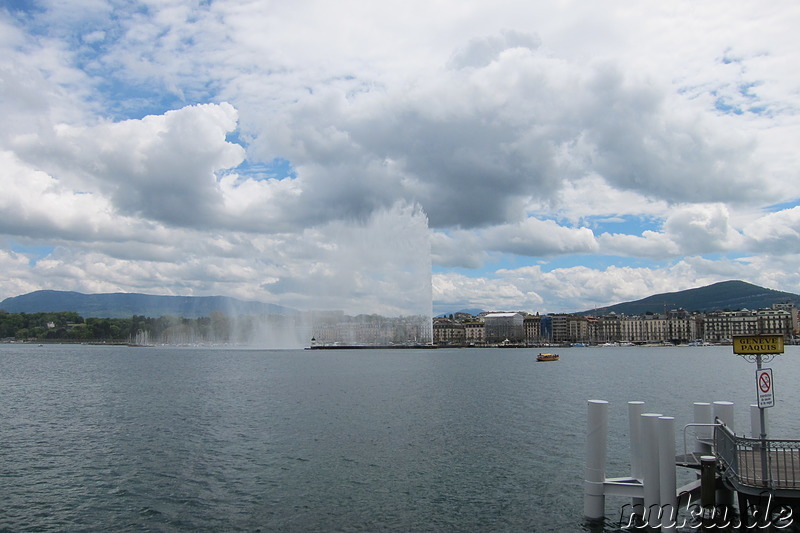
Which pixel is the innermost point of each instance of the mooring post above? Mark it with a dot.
(708, 488)
(755, 422)
(635, 410)
(703, 414)
(724, 411)
(651, 485)
(666, 474)
(594, 501)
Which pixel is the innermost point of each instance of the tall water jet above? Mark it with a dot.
(365, 282)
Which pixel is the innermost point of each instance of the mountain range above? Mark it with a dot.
(726, 295)
(125, 305)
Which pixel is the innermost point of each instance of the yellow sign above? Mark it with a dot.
(757, 344)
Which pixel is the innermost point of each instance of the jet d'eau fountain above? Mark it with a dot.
(366, 283)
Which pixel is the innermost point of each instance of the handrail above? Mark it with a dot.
(759, 463)
(706, 441)
(725, 450)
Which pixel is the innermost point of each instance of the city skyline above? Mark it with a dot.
(515, 156)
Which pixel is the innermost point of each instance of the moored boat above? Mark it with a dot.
(547, 357)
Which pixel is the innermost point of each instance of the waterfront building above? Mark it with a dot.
(638, 329)
(793, 312)
(591, 338)
(775, 322)
(609, 328)
(447, 332)
(532, 326)
(721, 326)
(681, 327)
(676, 326)
(559, 333)
(547, 328)
(474, 333)
(579, 329)
(502, 327)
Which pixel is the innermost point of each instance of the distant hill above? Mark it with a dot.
(726, 295)
(474, 312)
(125, 305)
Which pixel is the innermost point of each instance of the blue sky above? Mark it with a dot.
(394, 158)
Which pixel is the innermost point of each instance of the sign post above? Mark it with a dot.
(758, 348)
(764, 389)
(757, 344)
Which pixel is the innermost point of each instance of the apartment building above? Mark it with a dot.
(475, 333)
(532, 327)
(448, 332)
(721, 326)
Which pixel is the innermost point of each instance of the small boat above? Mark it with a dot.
(547, 357)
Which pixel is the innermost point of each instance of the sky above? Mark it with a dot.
(395, 156)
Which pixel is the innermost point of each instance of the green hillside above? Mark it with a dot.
(122, 305)
(726, 295)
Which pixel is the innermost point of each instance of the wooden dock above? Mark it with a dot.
(782, 473)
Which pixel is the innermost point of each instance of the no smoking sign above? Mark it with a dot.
(764, 387)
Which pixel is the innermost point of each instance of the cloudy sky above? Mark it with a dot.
(540, 156)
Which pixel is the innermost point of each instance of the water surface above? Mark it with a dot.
(187, 439)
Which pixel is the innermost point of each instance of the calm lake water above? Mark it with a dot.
(185, 439)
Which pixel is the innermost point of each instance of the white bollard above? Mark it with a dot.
(703, 414)
(594, 501)
(755, 422)
(635, 410)
(650, 465)
(724, 411)
(666, 474)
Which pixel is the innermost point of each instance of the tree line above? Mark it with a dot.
(69, 326)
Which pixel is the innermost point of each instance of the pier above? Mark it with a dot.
(744, 460)
(762, 474)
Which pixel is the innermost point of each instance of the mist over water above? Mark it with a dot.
(368, 283)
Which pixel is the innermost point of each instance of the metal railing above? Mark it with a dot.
(768, 463)
(703, 441)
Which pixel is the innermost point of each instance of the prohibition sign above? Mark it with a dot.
(764, 390)
(764, 382)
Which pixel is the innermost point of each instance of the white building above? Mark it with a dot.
(502, 327)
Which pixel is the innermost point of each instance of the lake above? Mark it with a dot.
(212, 439)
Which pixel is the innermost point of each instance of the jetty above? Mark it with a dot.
(748, 483)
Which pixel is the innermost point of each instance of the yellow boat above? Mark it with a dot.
(547, 357)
